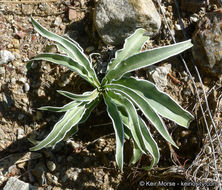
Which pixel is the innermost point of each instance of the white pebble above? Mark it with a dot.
(2, 71)
(21, 116)
(178, 27)
(6, 56)
(57, 21)
(22, 79)
(13, 80)
(20, 133)
(208, 150)
(26, 87)
(51, 166)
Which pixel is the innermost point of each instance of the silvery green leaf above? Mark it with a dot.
(159, 101)
(133, 119)
(118, 128)
(90, 107)
(133, 44)
(64, 108)
(75, 52)
(144, 59)
(87, 96)
(139, 131)
(141, 102)
(137, 153)
(70, 119)
(64, 61)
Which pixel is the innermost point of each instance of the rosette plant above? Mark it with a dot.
(123, 94)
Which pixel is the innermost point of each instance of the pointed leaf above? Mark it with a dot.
(144, 106)
(137, 153)
(146, 58)
(73, 48)
(118, 128)
(159, 101)
(150, 143)
(70, 119)
(72, 132)
(61, 109)
(90, 107)
(133, 120)
(64, 61)
(132, 45)
(87, 96)
(141, 136)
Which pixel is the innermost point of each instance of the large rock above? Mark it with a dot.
(207, 40)
(115, 20)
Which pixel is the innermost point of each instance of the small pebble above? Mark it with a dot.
(6, 56)
(38, 115)
(21, 34)
(16, 43)
(72, 14)
(185, 133)
(23, 80)
(10, 46)
(90, 49)
(2, 71)
(178, 27)
(52, 179)
(20, 132)
(194, 18)
(57, 21)
(45, 67)
(21, 116)
(26, 87)
(208, 150)
(51, 166)
(25, 100)
(12, 168)
(69, 158)
(21, 165)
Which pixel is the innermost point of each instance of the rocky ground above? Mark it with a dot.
(87, 160)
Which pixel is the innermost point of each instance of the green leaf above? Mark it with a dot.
(118, 128)
(72, 132)
(76, 53)
(159, 101)
(132, 45)
(90, 107)
(127, 133)
(63, 50)
(133, 119)
(144, 106)
(70, 119)
(137, 153)
(139, 131)
(60, 109)
(150, 143)
(87, 96)
(144, 59)
(64, 61)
